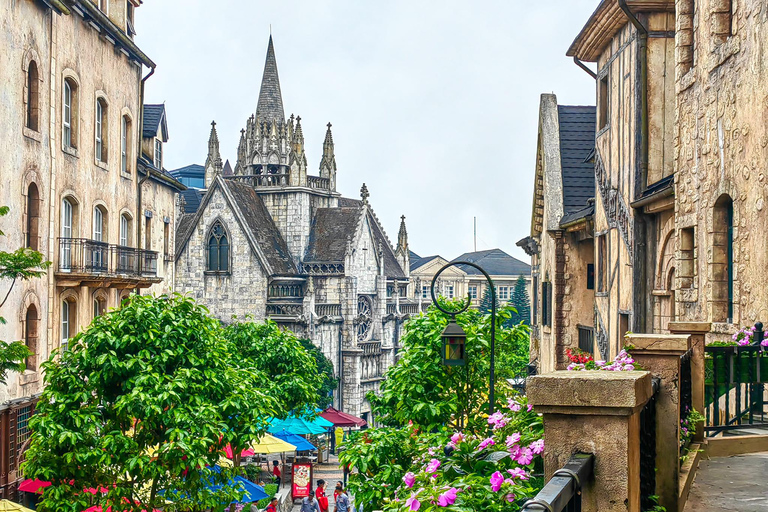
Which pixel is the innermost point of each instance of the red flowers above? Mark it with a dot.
(578, 356)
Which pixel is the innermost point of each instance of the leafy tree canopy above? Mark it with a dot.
(324, 368)
(144, 399)
(420, 389)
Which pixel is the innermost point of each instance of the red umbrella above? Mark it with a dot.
(245, 453)
(342, 419)
(35, 485)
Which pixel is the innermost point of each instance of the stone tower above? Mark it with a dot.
(213, 165)
(328, 163)
(402, 253)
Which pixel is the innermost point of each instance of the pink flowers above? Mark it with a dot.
(496, 480)
(537, 446)
(525, 457)
(513, 440)
(409, 479)
(486, 443)
(510, 498)
(498, 420)
(513, 405)
(413, 502)
(457, 438)
(448, 498)
(433, 465)
(518, 473)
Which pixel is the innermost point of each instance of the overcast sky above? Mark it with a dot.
(434, 104)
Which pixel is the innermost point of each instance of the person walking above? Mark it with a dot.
(322, 499)
(277, 473)
(309, 503)
(342, 502)
(337, 491)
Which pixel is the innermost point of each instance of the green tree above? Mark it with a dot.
(142, 402)
(521, 303)
(324, 368)
(486, 302)
(20, 265)
(419, 388)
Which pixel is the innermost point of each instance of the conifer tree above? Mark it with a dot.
(521, 302)
(486, 302)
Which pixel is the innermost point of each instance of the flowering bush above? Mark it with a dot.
(687, 430)
(746, 336)
(622, 363)
(578, 356)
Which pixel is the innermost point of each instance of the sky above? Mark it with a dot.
(434, 104)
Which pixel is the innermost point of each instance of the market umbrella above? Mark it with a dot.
(245, 453)
(271, 444)
(299, 442)
(342, 419)
(33, 485)
(10, 506)
(299, 426)
(252, 492)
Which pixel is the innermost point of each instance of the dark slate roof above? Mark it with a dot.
(331, 229)
(422, 261)
(575, 215)
(391, 266)
(185, 225)
(189, 171)
(577, 142)
(260, 223)
(154, 119)
(270, 106)
(413, 256)
(345, 202)
(227, 171)
(192, 198)
(495, 261)
(658, 187)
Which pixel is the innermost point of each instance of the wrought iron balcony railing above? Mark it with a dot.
(85, 256)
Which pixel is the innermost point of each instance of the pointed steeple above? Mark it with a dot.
(402, 253)
(364, 193)
(328, 162)
(213, 163)
(270, 106)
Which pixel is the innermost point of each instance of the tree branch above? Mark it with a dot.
(9, 292)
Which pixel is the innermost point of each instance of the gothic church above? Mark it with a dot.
(270, 241)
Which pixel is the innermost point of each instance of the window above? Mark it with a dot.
(503, 292)
(546, 307)
(99, 306)
(129, 19)
(125, 230)
(218, 249)
(125, 144)
(158, 154)
(69, 115)
(687, 263)
(590, 276)
(623, 327)
(601, 263)
(535, 302)
(148, 232)
(65, 258)
(722, 261)
(68, 319)
(98, 250)
(30, 336)
(473, 292)
(722, 20)
(98, 224)
(603, 102)
(424, 291)
(101, 130)
(33, 90)
(103, 5)
(449, 291)
(33, 217)
(22, 425)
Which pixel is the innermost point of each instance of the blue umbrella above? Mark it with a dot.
(296, 425)
(299, 442)
(251, 492)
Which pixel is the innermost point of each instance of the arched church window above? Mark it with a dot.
(218, 249)
(364, 313)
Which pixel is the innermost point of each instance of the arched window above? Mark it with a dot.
(30, 336)
(69, 115)
(68, 322)
(125, 145)
(65, 242)
(722, 261)
(98, 249)
(99, 306)
(101, 131)
(218, 249)
(125, 230)
(33, 90)
(33, 216)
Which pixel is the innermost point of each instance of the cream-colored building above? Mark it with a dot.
(78, 191)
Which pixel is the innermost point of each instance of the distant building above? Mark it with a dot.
(191, 176)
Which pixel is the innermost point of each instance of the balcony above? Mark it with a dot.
(85, 262)
(319, 183)
(333, 310)
(285, 312)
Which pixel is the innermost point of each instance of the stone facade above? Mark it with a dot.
(296, 251)
(80, 193)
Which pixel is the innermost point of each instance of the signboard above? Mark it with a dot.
(339, 433)
(301, 480)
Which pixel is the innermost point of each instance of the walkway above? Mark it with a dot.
(331, 472)
(730, 484)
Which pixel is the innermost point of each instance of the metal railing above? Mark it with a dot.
(563, 491)
(85, 256)
(734, 389)
(686, 391)
(648, 449)
(586, 339)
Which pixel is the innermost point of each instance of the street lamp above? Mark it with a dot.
(454, 337)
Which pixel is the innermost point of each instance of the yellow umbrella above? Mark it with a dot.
(271, 444)
(10, 506)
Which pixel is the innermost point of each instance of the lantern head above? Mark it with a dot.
(454, 345)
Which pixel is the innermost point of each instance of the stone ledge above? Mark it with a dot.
(589, 392)
(690, 327)
(658, 342)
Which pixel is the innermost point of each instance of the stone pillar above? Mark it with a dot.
(660, 355)
(697, 332)
(595, 412)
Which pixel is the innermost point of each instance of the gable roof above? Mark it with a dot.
(189, 171)
(254, 218)
(577, 142)
(420, 262)
(192, 199)
(154, 121)
(413, 256)
(495, 261)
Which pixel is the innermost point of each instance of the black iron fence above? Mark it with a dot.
(563, 491)
(648, 450)
(586, 338)
(85, 256)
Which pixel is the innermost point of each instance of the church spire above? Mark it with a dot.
(402, 253)
(213, 163)
(328, 163)
(270, 106)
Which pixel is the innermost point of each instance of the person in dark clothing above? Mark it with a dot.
(309, 504)
(276, 472)
(342, 502)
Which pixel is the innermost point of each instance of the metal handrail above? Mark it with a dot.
(563, 490)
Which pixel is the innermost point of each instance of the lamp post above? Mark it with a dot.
(454, 337)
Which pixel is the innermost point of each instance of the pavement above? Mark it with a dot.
(730, 484)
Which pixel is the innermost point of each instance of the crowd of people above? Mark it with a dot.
(317, 501)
